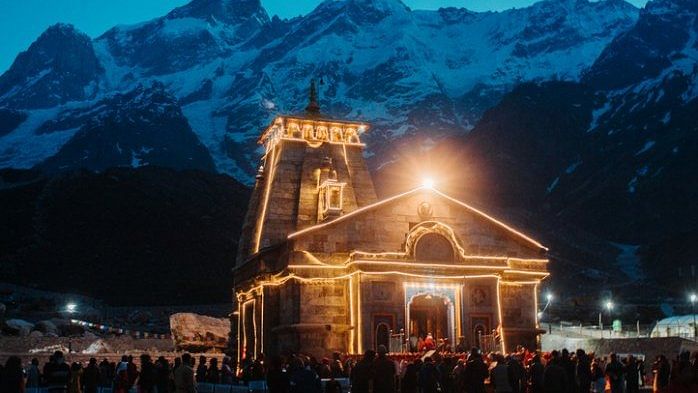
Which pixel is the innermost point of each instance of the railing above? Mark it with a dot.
(252, 387)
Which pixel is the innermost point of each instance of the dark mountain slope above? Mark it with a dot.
(128, 236)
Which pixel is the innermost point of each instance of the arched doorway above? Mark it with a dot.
(429, 313)
(382, 335)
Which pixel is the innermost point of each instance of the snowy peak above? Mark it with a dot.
(222, 11)
(144, 126)
(60, 66)
(663, 38)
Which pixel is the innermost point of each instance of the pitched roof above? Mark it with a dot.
(373, 206)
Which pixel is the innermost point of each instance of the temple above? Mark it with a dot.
(325, 266)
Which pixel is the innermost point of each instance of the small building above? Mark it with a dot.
(325, 266)
(676, 326)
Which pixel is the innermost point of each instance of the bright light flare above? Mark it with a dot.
(428, 182)
(71, 307)
(693, 298)
(609, 305)
(549, 297)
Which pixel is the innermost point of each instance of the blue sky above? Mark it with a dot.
(21, 21)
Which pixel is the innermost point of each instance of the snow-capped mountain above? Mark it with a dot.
(605, 168)
(416, 75)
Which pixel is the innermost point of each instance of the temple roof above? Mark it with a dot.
(368, 208)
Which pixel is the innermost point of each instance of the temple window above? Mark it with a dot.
(330, 199)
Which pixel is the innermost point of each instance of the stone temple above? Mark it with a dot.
(325, 266)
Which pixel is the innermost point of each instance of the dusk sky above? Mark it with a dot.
(22, 21)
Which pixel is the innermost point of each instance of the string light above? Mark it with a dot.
(499, 311)
(413, 191)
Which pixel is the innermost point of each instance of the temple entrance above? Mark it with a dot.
(431, 314)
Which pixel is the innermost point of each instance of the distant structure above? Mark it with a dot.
(324, 266)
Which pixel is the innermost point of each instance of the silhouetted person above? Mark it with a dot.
(12, 376)
(614, 372)
(33, 374)
(146, 380)
(632, 376)
(184, 376)
(384, 372)
(162, 375)
(583, 375)
(362, 373)
(475, 372)
(429, 377)
(277, 379)
(554, 376)
(500, 376)
(57, 374)
(91, 377)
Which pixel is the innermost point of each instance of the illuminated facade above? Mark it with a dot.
(324, 266)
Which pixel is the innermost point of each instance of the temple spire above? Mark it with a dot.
(313, 107)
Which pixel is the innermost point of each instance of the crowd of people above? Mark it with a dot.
(375, 372)
(158, 376)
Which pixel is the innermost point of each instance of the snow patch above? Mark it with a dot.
(648, 145)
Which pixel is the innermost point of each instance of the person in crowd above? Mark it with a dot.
(614, 372)
(643, 372)
(632, 376)
(411, 378)
(105, 375)
(277, 378)
(362, 373)
(132, 372)
(303, 379)
(91, 377)
(147, 376)
(213, 374)
(333, 386)
(336, 368)
(323, 369)
(384, 372)
(227, 372)
(184, 376)
(536, 375)
(57, 374)
(459, 377)
(12, 376)
(598, 376)
(500, 376)
(201, 370)
(475, 372)
(162, 375)
(429, 377)
(121, 380)
(33, 374)
(517, 373)
(75, 384)
(429, 342)
(582, 372)
(554, 376)
(570, 368)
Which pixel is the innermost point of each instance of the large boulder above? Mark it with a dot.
(199, 333)
(98, 346)
(18, 327)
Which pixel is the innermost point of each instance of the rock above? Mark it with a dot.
(36, 334)
(199, 333)
(46, 327)
(3, 308)
(18, 327)
(98, 346)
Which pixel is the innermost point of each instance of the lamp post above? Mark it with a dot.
(609, 306)
(693, 299)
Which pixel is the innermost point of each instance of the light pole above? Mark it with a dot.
(609, 307)
(693, 299)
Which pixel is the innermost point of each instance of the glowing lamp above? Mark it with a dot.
(71, 307)
(549, 297)
(609, 305)
(693, 298)
(428, 182)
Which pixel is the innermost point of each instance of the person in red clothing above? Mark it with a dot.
(429, 343)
